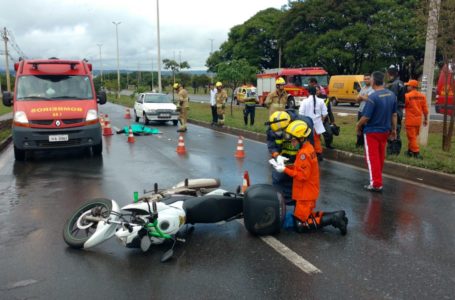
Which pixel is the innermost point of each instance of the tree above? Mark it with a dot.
(255, 41)
(352, 37)
(175, 67)
(234, 73)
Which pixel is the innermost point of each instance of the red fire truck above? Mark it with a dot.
(55, 106)
(445, 87)
(296, 82)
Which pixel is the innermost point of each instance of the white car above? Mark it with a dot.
(155, 107)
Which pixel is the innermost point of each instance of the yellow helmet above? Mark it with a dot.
(279, 120)
(298, 129)
(280, 80)
(218, 84)
(176, 85)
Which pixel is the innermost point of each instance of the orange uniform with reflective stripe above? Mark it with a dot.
(415, 107)
(305, 184)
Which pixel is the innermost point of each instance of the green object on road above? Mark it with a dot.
(139, 129)
(136, 197)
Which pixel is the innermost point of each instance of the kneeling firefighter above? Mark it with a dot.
(305, 185)
(279, 147)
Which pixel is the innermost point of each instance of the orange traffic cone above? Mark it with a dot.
(181, 145)
(127, 114)
(240, 153)
(246, 181)
(107, 130)
(131, 138)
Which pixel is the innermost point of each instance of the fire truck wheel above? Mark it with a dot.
(19, 154)
(334, 101)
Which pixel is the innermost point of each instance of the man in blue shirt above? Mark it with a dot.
(379, 119)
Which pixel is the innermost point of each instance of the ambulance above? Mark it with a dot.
(55, 106)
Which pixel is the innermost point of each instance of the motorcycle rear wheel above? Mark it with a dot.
(77, 230)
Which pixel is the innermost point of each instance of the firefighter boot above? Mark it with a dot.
(337, 219)
(302, 227)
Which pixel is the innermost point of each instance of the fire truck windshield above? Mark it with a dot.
(302, 80)
(54, 87)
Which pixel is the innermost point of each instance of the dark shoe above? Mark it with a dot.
(319, 155)
(337, 219)
(409, 153)
(302, 227)
(417, 155)
(372, 188)
(181, 130)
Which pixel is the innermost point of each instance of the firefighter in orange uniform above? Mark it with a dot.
(415, 107)
(278, 99)
(305, 185)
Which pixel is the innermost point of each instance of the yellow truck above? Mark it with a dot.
(345, 88)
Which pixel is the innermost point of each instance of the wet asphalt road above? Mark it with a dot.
(399, 243)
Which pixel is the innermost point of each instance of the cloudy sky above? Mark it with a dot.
(73, 29)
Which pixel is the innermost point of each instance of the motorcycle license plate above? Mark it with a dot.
(58, 138)
(164, 116)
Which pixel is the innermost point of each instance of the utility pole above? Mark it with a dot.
(152, 75)
(211, 51)
(138, 74)
(158, 36)
(429, 60)
(5, 39)
(118, 60)
(101, 64)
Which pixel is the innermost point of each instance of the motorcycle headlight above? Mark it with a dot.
(20, 117)
(91, 115)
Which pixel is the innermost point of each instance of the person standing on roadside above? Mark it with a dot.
(314, 107)
(314, 82)
(212, 91)
(182, 106)
(362, 98)
(398, 88)
(415, 107)
(221, 98)
(278, 99)
(379, 119)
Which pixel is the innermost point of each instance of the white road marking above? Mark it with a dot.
(290, 255)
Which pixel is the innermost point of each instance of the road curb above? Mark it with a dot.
(415, 174)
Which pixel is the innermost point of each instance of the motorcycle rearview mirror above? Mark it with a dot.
(167, 255)
(237, 191)
(155, 188)
(186, 182)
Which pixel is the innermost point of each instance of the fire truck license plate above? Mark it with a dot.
(58, 138)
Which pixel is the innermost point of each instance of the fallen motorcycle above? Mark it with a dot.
(161, 215)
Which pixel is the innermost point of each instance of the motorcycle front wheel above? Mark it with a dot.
(77, 229)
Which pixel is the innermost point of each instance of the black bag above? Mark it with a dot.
(335, 129)
(263, 209)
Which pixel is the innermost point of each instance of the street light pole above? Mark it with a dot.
(101, 64)
(211, 52)
(158, 43)
(118, 60)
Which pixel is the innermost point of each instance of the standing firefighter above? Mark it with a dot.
(250, 107)
(305, 185)
(415, 107)
(221, 97)
(278, 99)
(182, 106)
